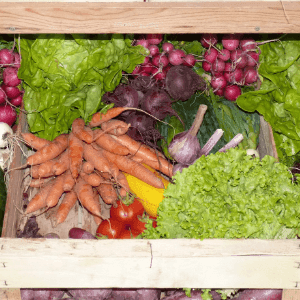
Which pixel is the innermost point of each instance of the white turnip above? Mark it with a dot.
(167, 47)
(10, 76)
(6, 57)
(208, 40)
(231, 41)
(210, 55)
(232, 92)
(176, 57)
(5, 132)
(7, 114)
(154, 39)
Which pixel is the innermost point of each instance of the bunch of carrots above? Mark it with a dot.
(88, 162)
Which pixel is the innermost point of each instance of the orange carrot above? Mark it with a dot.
(87, 167)
(62, 163)
(39, 200)
(108, 193)
(50, 151)
(38, 182)
(79, 130)
(101, 163)
(75, 154)
(99, 118)
(44, 169)
(69, 182)
(106, 142)
(33, 141)
(115, 127)
(65, 207)
(56, 191)
(147, 154)
(86, 197)
(97, 219)
(133, 168)
(93, 179)
(122, 181)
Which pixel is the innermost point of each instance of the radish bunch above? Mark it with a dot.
(11, 94)
(159, 62)
(231, 67)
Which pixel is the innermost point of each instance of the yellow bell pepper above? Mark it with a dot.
(148, 195)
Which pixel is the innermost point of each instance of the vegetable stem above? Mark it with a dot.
(198, 120)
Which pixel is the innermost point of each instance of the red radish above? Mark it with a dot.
(250, 75)
(235, 76)
(252, 58)
(160, 60)
(7, 114)
(248, 44)
(3, 96)
(154, 50)
(229, 67)
(224, 54)
(167, 68)
(210, 55)
(143, 42)
(218, 66)
(161, 75)
(219, 92)
(232, 92)
(208, 40)
(218, 83)
(167, 47)
(230, 41)
(147, 59)
(11, 91)
(154, 39)
(17, 101)
(189, 60)
(6, 57)
(136, 70)
(147, 68)
(176, 57)
(239, 58)
(143, 73)
(206, 66)
(10, 76)
(17, 60)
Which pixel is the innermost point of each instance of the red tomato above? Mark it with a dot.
(110, 228)
(137, 227)
(127, 214)
(127, 234)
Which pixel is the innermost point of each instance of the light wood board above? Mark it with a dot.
(150, 17)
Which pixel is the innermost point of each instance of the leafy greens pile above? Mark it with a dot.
(65, 76)
(278, 98)
(230, 195)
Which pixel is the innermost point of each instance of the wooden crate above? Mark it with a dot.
(144, 263)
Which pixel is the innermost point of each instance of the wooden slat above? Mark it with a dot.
(156, 17)
(153, 263)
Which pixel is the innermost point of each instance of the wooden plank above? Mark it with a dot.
(154, 263)
(291, 295)
(156, 17)
(10, 294)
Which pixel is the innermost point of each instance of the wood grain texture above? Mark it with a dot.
(154, 263)
(151, 17)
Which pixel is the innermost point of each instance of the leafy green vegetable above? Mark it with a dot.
(2, 198)
(230, 195)
(65, 76)
(278, 99)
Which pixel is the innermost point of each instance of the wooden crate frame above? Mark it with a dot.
(142, 263)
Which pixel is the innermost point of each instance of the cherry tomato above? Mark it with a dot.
(127, 214)
(110, 228)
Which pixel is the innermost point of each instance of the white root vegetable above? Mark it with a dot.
(5, 132)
